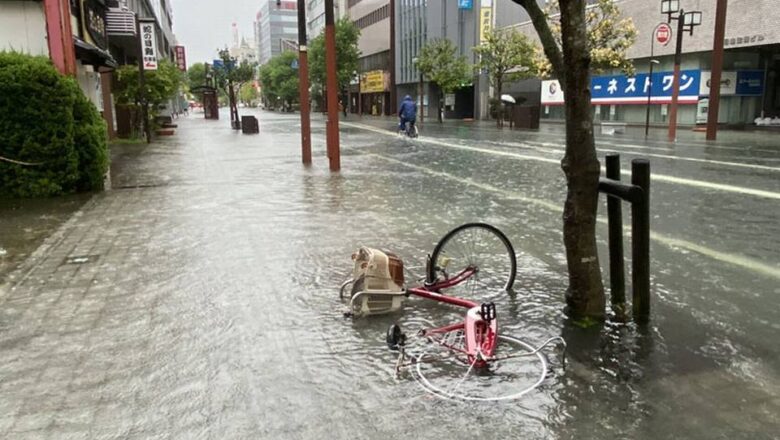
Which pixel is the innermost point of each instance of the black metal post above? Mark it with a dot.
(617, 277)
(640, 241)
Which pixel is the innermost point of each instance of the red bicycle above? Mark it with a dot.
(475, 260)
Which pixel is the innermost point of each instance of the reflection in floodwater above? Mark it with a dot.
(213, 310)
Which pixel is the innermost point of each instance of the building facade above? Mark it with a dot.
(371, 94)
(315, 15)
(70, 32)
(276, 25)
(461, 22)
(411, 37)
(751, 79)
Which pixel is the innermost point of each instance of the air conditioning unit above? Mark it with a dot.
(120, 22)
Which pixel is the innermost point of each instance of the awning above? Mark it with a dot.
(91, 54)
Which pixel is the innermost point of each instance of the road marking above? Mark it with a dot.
(654, 176)
(556, 147)
(671, 242)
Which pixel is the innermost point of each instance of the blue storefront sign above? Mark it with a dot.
(750, 82)
(465, 4)
(621, 89)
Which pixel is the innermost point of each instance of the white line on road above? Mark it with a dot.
(559, 147)
(654, 176)
(733, 259)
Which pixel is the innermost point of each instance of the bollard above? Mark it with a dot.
(617, 277)
(640, 241)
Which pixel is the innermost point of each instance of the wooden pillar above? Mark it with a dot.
(333, 88)
(717, 70)
(60, 35)
(303, 84)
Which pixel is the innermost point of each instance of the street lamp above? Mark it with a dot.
(686, 21)
(416, 61)
(649, 95)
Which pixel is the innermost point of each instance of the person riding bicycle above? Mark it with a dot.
(407, 113)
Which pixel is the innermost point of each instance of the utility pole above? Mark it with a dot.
(393, 91)
(676, 81)
(686, 21)
(303, 84)
(332, 135)
(717, 70)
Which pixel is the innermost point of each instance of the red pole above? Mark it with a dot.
(60, 36)
(303, 84)
(393, 91)
(333, 88)
(676, 82)
(717, 70)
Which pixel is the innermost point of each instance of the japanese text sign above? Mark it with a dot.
(750, 82)
(485, 22)
(181, 58)
(149, 45)
(620, 89)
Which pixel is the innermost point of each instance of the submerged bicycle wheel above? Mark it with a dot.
(440, 372)
(482, 247)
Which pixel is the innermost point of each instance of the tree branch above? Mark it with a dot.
(551, 49)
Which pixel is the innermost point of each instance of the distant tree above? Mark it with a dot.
(279, 79)
(347, 55)
(440, 64)
(248, 95)
(506, 55)
(609, 37)
(160, 86)
(231, 75)
(196, 77)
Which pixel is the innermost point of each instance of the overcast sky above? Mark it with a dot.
(202, 26)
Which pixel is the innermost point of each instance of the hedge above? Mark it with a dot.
(46, 120)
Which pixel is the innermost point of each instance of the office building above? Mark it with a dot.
(276, 25)
(750, 86)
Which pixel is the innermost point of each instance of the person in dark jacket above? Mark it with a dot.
(407, 112)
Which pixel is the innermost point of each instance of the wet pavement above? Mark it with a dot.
(203, 302)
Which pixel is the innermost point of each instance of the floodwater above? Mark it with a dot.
(210, 306)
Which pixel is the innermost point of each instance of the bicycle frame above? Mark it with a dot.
(481, 335)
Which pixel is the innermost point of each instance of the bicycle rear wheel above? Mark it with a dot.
(482, 247)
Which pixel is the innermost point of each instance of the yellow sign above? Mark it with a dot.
(485, 23)
(372, 82)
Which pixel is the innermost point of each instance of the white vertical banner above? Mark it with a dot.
(149, 45)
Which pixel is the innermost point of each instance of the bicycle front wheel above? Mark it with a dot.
(479, 246)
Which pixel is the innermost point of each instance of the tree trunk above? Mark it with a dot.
(499, 103)
(585, 296)
(440, 114)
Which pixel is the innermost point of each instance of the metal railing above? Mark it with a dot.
(638, 194)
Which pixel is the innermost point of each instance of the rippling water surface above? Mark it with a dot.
(213, 309)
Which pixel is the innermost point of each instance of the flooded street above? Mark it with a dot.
(205, 303)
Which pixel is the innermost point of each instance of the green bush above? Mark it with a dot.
(89, 138)
(46, 120)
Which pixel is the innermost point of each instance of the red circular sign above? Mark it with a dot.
(663, 34)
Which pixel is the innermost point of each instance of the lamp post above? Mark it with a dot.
(686, 21)
(415, 61)
(649, 94)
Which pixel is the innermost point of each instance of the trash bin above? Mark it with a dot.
(526, 117)
(249, 125)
